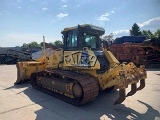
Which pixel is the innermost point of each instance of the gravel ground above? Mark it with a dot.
(25, 103)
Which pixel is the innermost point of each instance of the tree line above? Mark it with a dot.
(135, 31)
(54, 45)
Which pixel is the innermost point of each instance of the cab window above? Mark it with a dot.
(72, 39)
(90, 40)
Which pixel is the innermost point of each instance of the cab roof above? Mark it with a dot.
(85, 27)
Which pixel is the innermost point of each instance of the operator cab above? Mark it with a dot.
(78, 37)
(81, 36)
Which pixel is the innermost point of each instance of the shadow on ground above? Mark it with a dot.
(54, 109)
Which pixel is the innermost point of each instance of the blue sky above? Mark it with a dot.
(24, 21)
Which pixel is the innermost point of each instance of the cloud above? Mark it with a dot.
(104, 17)
(152, 24)
(64, 6)
(120, 33)
(61, 15)
(44, 9)
(112, 11)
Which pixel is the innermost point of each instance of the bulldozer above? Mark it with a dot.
(80, 70)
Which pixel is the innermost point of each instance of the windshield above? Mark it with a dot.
(90, 41)
(72, 39)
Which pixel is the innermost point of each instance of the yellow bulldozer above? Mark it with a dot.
(81, 69)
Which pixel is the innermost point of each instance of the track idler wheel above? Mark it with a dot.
(142, 84)
(122, 96)
(77, 90)
(133, 89)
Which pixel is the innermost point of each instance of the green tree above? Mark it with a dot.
(135, 31)
(51, 44)
(58, 44)
(25, 45)
(148, 34)
(109, 38)
(157, 34)
(33, 44)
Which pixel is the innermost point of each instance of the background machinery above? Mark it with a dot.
(12, 55)
(137, 49)
(81, 69)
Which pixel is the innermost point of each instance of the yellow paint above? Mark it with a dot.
(118, 75)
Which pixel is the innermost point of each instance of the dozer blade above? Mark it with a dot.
(142, 84)
(20, 73)
(24, 70)
(133, 89)
(122, 96)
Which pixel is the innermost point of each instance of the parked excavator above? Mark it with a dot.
(81, 69)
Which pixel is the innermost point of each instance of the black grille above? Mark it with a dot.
(104, 64)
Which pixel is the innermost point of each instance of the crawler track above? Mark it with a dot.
(88, 84)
